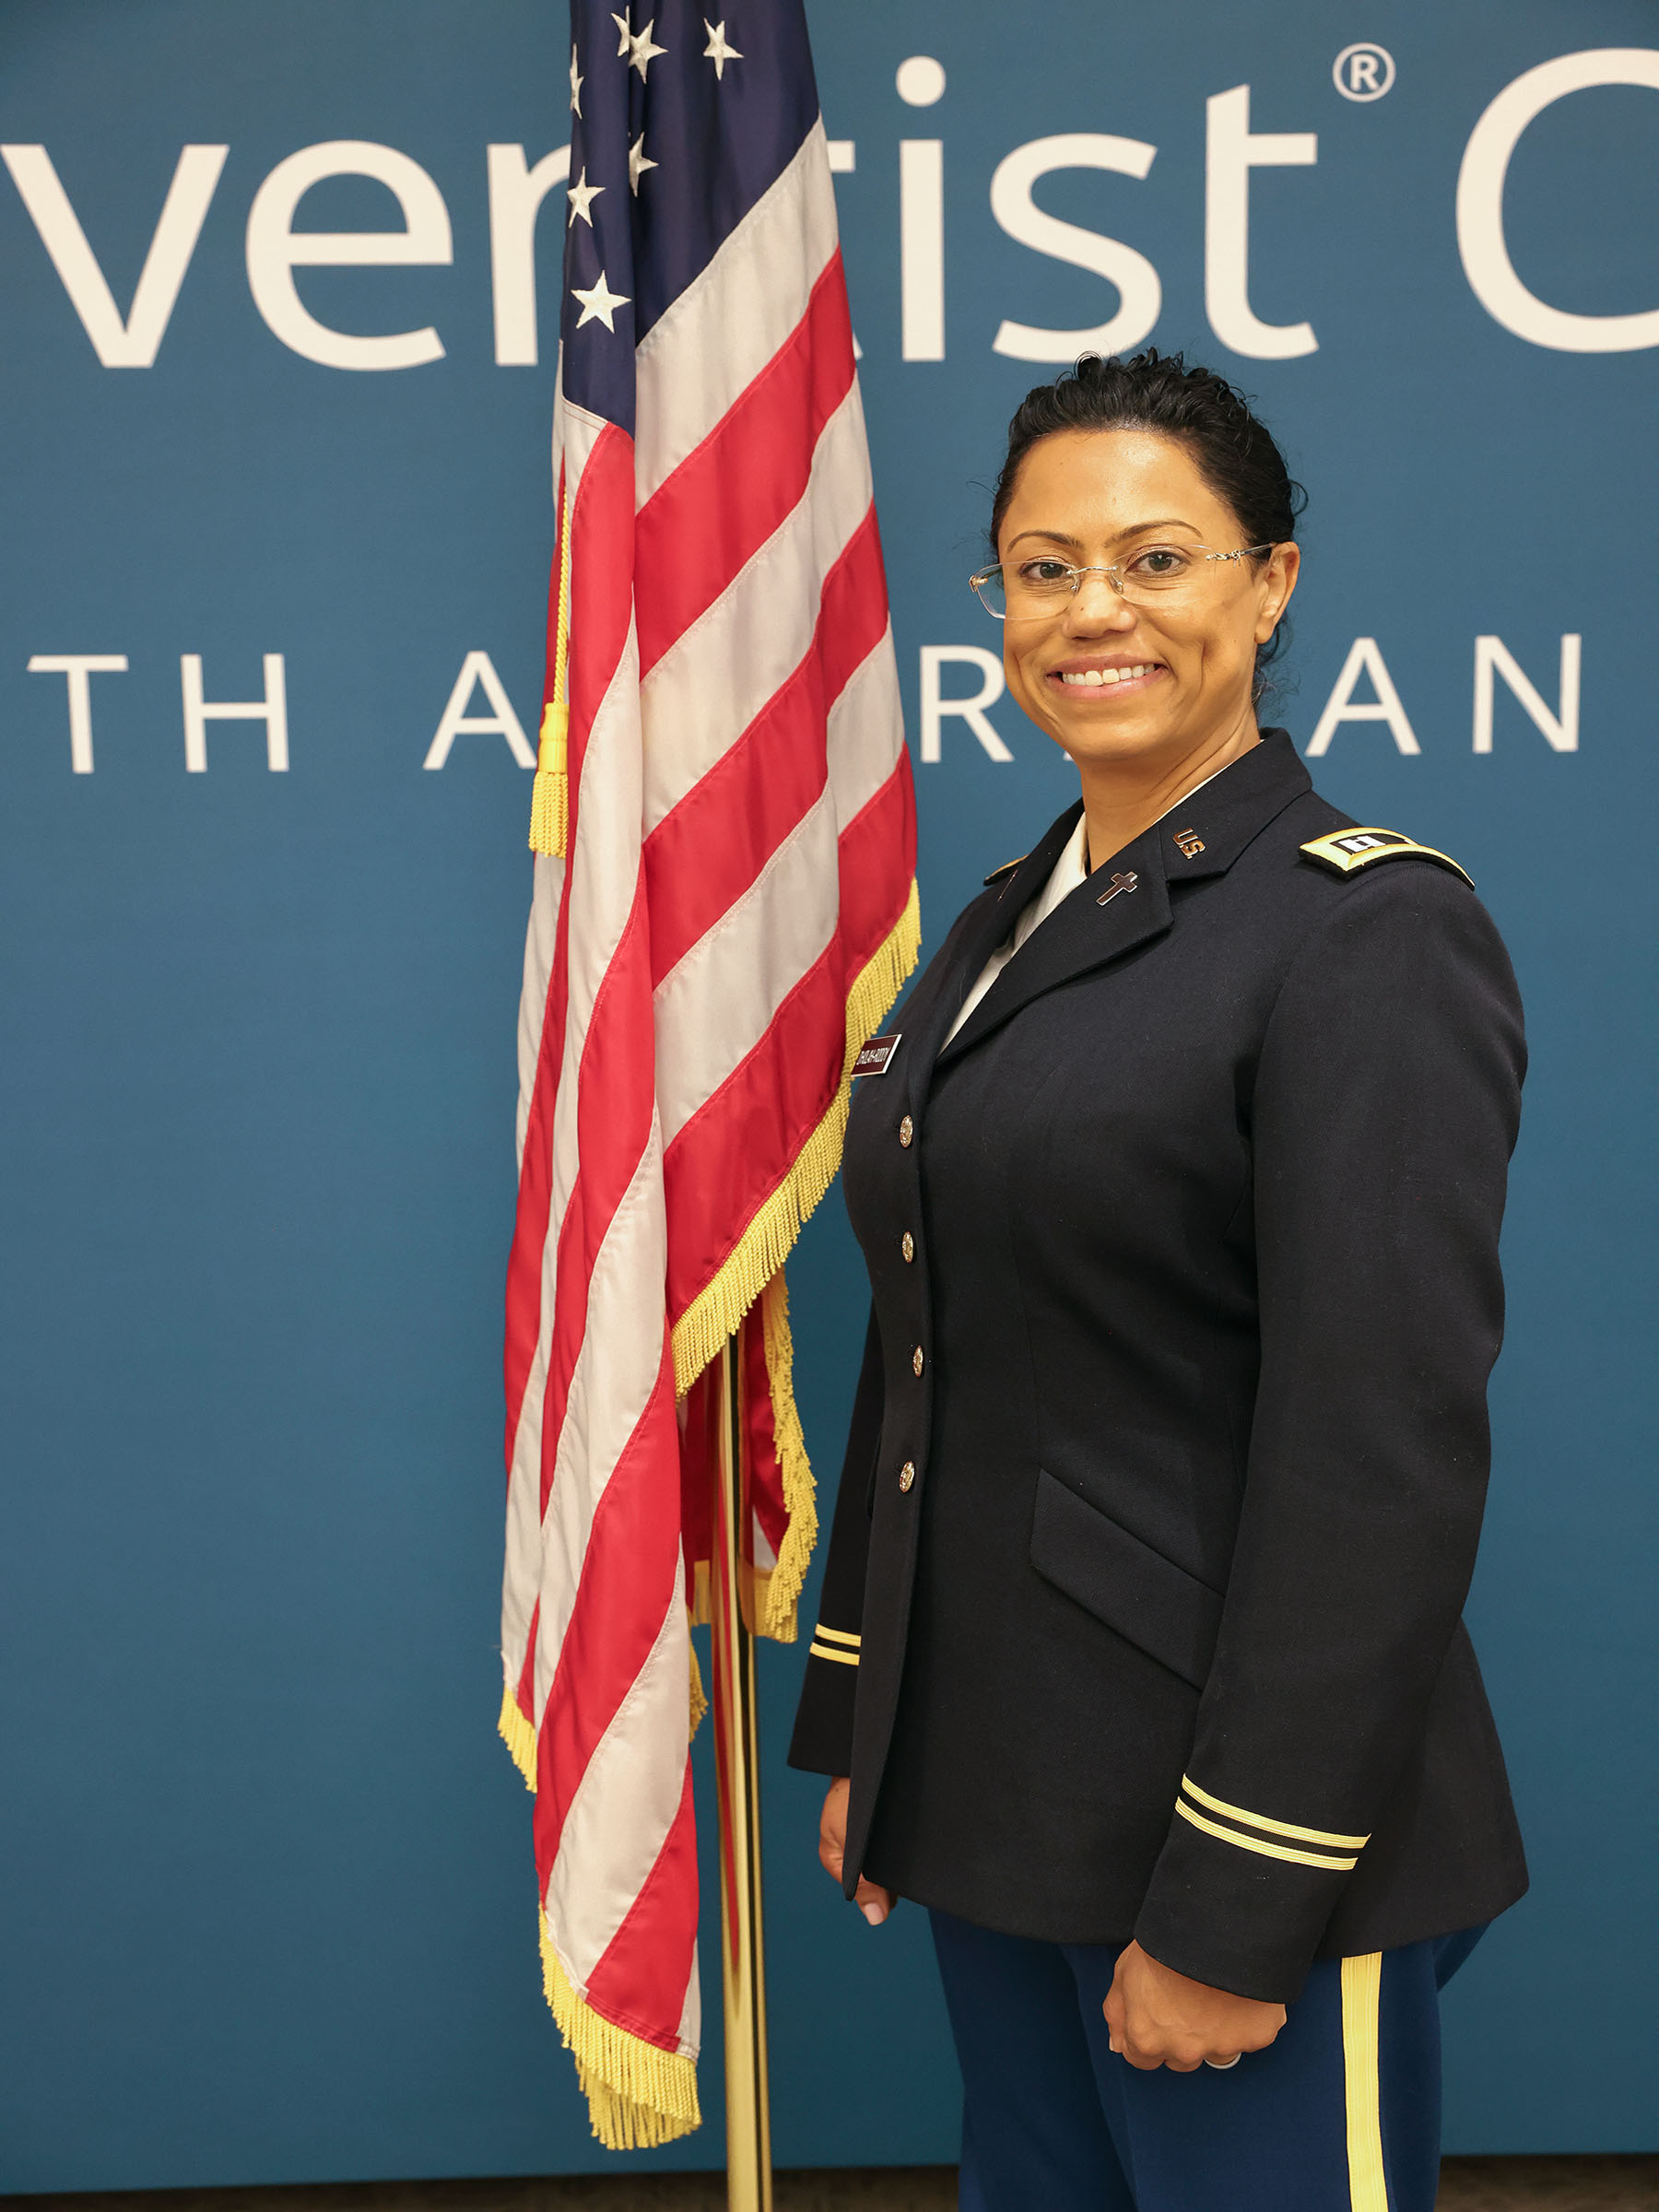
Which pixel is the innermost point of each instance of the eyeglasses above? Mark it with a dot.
(1159, 572)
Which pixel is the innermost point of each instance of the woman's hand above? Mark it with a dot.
(1158, 2017)
(872, 1901)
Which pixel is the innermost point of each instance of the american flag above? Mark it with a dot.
(723, 762)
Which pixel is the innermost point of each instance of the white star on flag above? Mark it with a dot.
(582, 196)
(637, 163)
(599, 303)
(621, 24)
(717, 51)
(575, 85)
(643, 52)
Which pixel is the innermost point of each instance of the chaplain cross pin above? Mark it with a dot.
(1119, 883)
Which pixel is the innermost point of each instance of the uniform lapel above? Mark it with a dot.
(1079, 934)
(938, 998)
(1203, 836)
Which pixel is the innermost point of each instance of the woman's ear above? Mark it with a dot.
(1284, 565)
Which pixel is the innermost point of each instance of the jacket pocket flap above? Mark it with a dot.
(1145, 1598)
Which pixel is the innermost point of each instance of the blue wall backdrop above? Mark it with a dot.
(267, 1886)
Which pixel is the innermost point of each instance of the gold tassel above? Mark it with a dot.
(638, 2095)
(550, 796)
(783, 1584)
(519, 1737)
(765, 1244)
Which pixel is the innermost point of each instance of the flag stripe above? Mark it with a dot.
(625, 1582)
(615, 1378)
(725, 499)
(866, 734)
(701, 858)
(597, 1147)
(657, 1937)
(615, 1109)
(709, 685)
(720, 1001)
(623, 1807)
(711, 344)
(766, 1107)
(887, 824)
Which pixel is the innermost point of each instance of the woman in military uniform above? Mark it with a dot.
(1140, 1661)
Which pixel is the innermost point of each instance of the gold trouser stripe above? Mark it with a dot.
(1268, 1851)
(1361, 1990)
(836, 1635)
(1273, 1827)
(823, 1651)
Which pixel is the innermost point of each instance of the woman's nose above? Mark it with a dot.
(1096, 606)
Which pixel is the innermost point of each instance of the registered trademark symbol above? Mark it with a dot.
(1363, 72)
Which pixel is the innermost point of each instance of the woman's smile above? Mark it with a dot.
(1110, 674)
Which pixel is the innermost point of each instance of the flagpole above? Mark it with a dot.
(738, 1784)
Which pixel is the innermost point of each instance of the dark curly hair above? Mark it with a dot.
(1233, 451)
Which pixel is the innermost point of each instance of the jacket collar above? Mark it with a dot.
(988, 923)
(1204, 834)
(1123, 904)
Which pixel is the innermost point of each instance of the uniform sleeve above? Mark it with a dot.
(1384, 1110)
(822, 1743)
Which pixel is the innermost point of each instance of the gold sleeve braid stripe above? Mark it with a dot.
(1265, 1850)
(840, 1644)
(1327, 1861)
(1273, 1827)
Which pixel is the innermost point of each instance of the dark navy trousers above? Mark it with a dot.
(1341, 2113)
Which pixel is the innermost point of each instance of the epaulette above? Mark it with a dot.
(1347, 850)
(1007, 868)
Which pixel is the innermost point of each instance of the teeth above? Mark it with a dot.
(1094, 677)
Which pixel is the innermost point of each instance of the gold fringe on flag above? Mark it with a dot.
(783, 1584)
(550, 796)
(639, 2095)
(519, 1737)
(765, 1244)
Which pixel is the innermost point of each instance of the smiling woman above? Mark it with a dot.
(1143, 531)
(1140, 1661)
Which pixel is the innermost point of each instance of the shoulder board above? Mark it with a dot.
(1348, 851)
(1007, 868)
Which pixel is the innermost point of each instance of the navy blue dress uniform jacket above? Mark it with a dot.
(1142, 1610)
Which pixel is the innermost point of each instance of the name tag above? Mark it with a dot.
(878, 1055)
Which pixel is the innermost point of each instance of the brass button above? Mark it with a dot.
(918, 1360)
(907, 1129)
(906, 1474)
(907, 1245)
